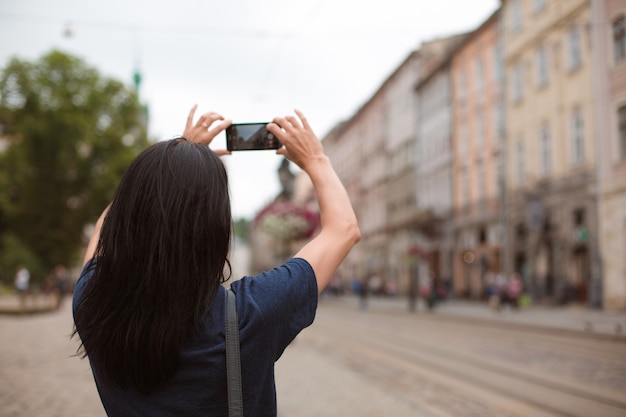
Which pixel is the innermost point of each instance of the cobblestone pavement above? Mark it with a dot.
(41, 377)
(469, 369)
(310, 384)
(572, 318)
(320, 374)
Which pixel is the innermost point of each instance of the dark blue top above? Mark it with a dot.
(273, 307)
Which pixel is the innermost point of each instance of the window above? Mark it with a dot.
(521, 163)
(539, 5)
(498, 121)
(577, 136)
(579, 217)
(465, 192)
(462, 146)
(516, 15)
(621, 117)
(479, 75)
(499, 179)
(619, 38)
(518, 83)
(542, 66)
(481, 181)
(545, 147)
(480, 131)
(574, 53)
(497, 63)
(462, 84)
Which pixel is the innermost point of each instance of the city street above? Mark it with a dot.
(376, 362)
(436, 365)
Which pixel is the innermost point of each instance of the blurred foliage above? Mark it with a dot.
(286, 221)
(242, 229)
(69, 133)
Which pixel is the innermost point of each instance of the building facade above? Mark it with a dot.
(478, 126)
(434, 240)
(400, 200)
(496, 152)
(551, 210)
(370, 123)
(609, 59)
(343, 145)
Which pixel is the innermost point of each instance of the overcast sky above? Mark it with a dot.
(249, 60)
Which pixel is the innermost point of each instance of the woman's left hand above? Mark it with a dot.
(205, 129)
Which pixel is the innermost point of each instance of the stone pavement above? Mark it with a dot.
(573, 318)
(39, 376)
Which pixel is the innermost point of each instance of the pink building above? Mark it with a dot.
(478, 132)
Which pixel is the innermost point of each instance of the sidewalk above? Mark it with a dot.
(565, 318)
(578, 319)
(34, 304)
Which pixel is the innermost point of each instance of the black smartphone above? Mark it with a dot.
(250, 137)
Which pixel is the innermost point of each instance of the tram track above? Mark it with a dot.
(344, 333)
(562, 339)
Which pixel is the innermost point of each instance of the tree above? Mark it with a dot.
(69, 134)
(241, 228)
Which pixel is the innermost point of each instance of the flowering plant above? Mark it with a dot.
(287, 221)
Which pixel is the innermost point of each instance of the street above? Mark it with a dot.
(437, 366)
(366, 363)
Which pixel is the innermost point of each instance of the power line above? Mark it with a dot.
(172, 29)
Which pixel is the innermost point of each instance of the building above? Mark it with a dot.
(550, 166)
(609, 59)
(370, 123)
(399, 145)
(374, 153)
(433, 223)
(344, 147)
(476, 71)
(499, 151)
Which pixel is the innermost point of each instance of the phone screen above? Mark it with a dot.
(250, 137)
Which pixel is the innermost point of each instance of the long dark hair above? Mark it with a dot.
(161, 257)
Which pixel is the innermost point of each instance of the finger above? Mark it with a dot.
(293, 121)
(222, 152)
(220, 127)
(275, 129)
(282, 122)
(303, 119)
(207, 119)
(190, 116)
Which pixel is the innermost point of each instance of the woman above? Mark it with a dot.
(149, 306)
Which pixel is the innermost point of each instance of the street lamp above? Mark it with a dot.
(468, 260)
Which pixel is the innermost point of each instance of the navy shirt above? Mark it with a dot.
(273, 307)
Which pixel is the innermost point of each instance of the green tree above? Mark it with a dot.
(242, 229)
(69, 133)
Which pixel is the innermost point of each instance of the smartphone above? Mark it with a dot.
(250, 137)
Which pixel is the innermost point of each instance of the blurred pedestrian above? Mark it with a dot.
(512, 291)
(375, 285)
(61, 284)
(364, 289)
(22, 280)
(498, 293)
(149, 307)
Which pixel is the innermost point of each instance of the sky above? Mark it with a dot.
(249, 60)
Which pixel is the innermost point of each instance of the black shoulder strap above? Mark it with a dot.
(233, 360)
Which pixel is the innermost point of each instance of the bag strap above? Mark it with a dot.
(233, 360)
